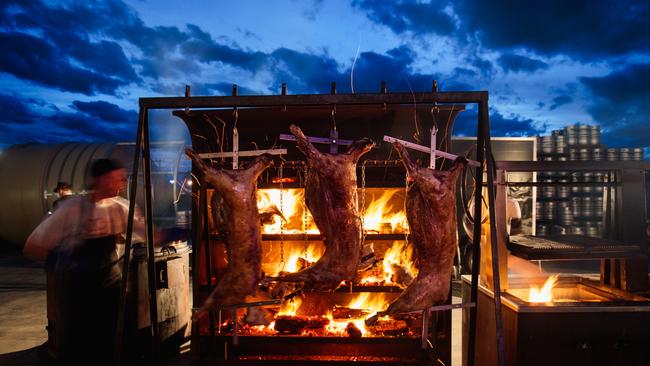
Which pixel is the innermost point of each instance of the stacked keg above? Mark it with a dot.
(567, 205)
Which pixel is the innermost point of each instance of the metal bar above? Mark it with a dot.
(428, 150)
(536, 166)
(334, 135)
(148, 214)
(121, 311)
(317, 140)
(243, 153)
(559, 184)
(425, 329)
(433, 150)
(248, 305)
(442, 308)
(496, 276)
(476, 241)
(313, 100)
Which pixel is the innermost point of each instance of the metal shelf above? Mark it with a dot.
(570, 247)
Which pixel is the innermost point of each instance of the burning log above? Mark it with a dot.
(389, 327)
(353, 331)
(296, 324)
(340, 312)
(400, 277)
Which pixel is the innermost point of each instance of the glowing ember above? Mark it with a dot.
(545, 294)
(290, 307)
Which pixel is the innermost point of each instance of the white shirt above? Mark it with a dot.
(78, 219)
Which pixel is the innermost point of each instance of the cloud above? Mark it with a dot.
(514, 126)
(517, 63)
(582, 29)
(34, 59)
(559, 101)
(620, 104)
(408, 16)
(15, 110)
(105, 111)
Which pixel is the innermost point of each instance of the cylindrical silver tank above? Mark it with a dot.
(30, 173)
(583, 134)
(570, 133)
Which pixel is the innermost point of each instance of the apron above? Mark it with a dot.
(90, 278)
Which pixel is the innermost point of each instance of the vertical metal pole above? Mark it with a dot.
(151, 262)
(483, 111)
(196, 265)
(476, 239)
(208, 252)
(121, 317)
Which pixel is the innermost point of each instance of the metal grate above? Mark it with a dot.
(570, 247)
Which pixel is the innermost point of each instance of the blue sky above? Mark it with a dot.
(73, 71)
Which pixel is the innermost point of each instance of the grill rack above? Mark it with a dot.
(570, 247)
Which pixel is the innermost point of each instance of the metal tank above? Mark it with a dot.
(30, 173)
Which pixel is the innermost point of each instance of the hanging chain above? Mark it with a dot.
(281, 173)
(363, 200)
(304, 214)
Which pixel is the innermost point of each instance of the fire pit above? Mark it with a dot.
(582, 323)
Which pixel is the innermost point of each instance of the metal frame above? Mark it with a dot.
(484, 155)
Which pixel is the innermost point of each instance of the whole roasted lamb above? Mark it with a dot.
(331, 196)
(431, 215)
(234, 208)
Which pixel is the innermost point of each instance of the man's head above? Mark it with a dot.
(107, 178)
(63, 189)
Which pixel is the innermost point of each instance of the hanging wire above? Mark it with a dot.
(304, 213)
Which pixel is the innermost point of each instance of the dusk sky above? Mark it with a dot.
(73, 71)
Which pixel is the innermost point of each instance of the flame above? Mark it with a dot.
(545, 294)
(373, 301)
(311, 255)
(290, 307)
(399, 254)
(381, 216)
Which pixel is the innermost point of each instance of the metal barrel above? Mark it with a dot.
(600, 178)
(587, 177)
(539, 210)
(591, 228)
(594, 135)
(612, 154)
(637, 153)
(563, 191)
(598, 206)
(560, 145)
(565, 214)
(583, 134)
(547, 144)
(576, 230)
(562, 173)
(548, 191)
(558, 230)
(597, 154)
(548, 211)
(542, 230)
(573, 153)
(576, 178)
(576, 207)
(624, 154)
(583, 154)
(587, 206)
(570, 135)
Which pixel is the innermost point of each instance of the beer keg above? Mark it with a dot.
(570, 137)
(612, 154)
(594, 135)
(583, 135)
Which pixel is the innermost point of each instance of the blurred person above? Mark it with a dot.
(78, 245)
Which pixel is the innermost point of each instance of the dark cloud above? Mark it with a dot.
(517, 63)
(559, 101)
(408, 16)
(515, 126)
(105, 111)
(621, 105)
(34, 59)
(15, 110)
(583, 29)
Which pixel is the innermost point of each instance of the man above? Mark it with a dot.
(63, 191)
(78, 244)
